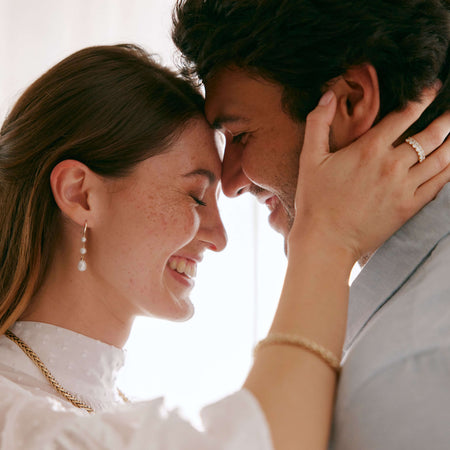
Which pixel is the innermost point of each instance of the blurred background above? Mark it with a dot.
(206, 358)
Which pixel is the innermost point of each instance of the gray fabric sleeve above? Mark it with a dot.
(404, 406)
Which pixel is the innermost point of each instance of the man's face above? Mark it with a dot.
(263, 142)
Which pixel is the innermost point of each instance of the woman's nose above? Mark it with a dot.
(212, 231)
(234, 180)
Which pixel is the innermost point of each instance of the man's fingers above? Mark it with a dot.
(396, 123)
(317, 132)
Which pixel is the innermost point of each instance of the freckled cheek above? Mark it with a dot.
(157, 228)
(177, 227)
(190, 224)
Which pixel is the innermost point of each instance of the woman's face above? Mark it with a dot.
(156, 225)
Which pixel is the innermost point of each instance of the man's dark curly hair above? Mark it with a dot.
(304, 44)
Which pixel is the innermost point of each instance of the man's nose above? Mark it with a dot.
(234, 180)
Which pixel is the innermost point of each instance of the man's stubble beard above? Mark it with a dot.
(287, 197)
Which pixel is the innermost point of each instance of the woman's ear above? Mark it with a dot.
(73, 185)
(358, 97)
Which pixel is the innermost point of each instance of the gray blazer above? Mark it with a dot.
(394, 390)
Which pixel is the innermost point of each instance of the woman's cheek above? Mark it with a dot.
(195, 222)
(188, 224)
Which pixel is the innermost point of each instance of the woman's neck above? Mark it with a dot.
(78, 302)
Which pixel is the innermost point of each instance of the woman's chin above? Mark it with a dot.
(180, 310)
(186, 310)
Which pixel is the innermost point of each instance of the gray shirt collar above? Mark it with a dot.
(395, 262)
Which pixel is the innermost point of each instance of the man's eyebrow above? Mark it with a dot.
(220, 121)
(203, 172)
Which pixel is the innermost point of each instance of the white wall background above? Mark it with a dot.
(201, 360)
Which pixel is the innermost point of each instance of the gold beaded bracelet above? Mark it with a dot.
(298, 341)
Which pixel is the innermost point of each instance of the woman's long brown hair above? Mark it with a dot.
(109, 107)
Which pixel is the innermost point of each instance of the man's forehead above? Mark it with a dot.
(225, 98)
(235, 96)
(223, 108)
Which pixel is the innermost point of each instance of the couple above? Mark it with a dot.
(108, 163)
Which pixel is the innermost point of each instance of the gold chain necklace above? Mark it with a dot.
(50, 378)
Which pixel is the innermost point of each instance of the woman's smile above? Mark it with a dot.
(183, 269)
(183, 265)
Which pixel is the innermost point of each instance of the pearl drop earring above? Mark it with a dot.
(82, 266)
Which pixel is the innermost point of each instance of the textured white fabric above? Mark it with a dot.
(34, 416)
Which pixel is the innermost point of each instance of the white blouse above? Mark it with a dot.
(34, 416)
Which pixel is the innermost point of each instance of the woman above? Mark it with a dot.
(108, 185)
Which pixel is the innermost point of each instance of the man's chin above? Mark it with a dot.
(279, 222)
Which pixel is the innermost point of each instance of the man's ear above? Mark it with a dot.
(358, 97)
(73, 185)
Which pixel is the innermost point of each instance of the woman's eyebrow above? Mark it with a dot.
(203, 172)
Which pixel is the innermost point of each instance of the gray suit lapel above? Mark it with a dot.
(395, 262)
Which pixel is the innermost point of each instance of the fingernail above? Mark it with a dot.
(326, 98)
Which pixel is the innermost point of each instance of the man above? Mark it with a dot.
(264, 65)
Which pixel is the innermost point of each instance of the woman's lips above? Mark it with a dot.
(183, 266)
(183, 270)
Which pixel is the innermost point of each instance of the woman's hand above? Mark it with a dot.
(348, 203)
(360, 195)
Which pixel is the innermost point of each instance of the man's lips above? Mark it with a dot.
(270, 200)
(276, 208)
(272, 203)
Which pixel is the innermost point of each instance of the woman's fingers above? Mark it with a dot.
(433, 165)
(428, 191)
(361, 194)
(429, 139)
(397, 122)
(317, 131)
